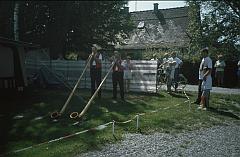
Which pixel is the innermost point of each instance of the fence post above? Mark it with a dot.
(189, 105)
(138, 122)
(85, 82)
(113, 127)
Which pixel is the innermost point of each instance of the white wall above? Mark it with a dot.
(144, 73)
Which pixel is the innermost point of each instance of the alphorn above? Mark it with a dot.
(76, 114)
(56, 113)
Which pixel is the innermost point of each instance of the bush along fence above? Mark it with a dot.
(144, 73)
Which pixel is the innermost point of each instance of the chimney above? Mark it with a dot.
(155, 7)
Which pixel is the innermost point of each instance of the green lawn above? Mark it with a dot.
(26, 131)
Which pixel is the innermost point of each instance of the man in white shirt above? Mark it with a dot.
(169, 68)
(117, 76)
(206, 62)
(96, 69)
(179, 63)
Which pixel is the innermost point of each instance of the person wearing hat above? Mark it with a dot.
(219, 73)
(117, 75)
(206, 62)
(96, 69)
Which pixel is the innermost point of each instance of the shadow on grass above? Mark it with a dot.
(30, 104)
(11, 104)
(223, 112)
(41, 102)
(108, 110)
(177, 95)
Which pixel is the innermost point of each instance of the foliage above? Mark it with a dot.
(6, 18)
(150, 52)
(221, 28)
(218, 27)
(194, 29)
(72, 25)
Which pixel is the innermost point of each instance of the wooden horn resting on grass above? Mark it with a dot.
(57, 114)
(79, 115)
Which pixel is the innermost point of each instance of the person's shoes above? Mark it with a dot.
(199, 108)
(204, 108)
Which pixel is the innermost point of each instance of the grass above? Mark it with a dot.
(24, 132)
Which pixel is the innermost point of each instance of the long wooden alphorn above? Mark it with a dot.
(57, 114)
(75, 114)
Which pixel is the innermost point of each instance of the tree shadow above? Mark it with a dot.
(177, 95)
(12, 104)
(223, 112)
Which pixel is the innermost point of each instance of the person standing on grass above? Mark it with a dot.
(95, 69)
(117, 75)
(127, 73)
(179, 63)
(206, 62)
(219, 74)
(169, 68)
(206, 87)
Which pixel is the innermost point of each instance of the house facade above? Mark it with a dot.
(157, 31)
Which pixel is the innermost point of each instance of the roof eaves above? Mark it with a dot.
(19, 43)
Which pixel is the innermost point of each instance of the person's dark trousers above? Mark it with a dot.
(199, 91)
(95, 75)
(117, 78)
(176, 77)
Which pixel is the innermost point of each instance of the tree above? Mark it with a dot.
(6, 19)
(220, 27)
(61, 25)
(194, 31)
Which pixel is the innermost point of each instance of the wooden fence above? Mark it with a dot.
(144, 73)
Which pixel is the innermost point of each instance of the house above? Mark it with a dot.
(12, 68)
(157, 30)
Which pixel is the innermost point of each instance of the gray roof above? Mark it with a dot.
(167, 28)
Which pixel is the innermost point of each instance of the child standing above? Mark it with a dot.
(127, 73)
